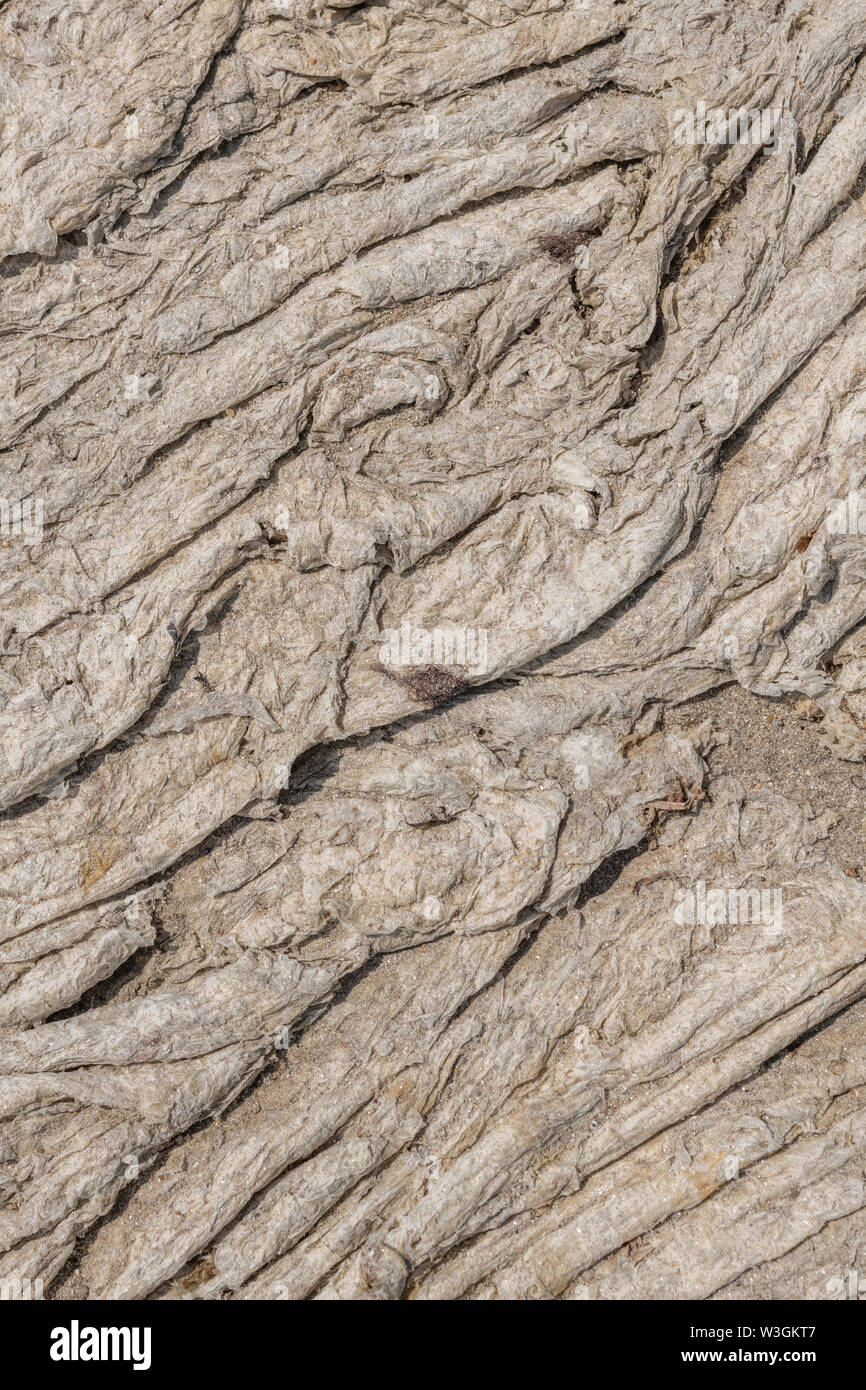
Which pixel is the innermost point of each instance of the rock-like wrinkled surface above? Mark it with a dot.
(404, 408)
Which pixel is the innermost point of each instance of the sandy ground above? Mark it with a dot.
(775, 744)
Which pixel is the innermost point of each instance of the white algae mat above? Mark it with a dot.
(403, 407)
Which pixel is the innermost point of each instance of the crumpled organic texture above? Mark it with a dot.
(323, 328)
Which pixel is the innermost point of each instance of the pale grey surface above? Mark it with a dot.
(318, 320)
